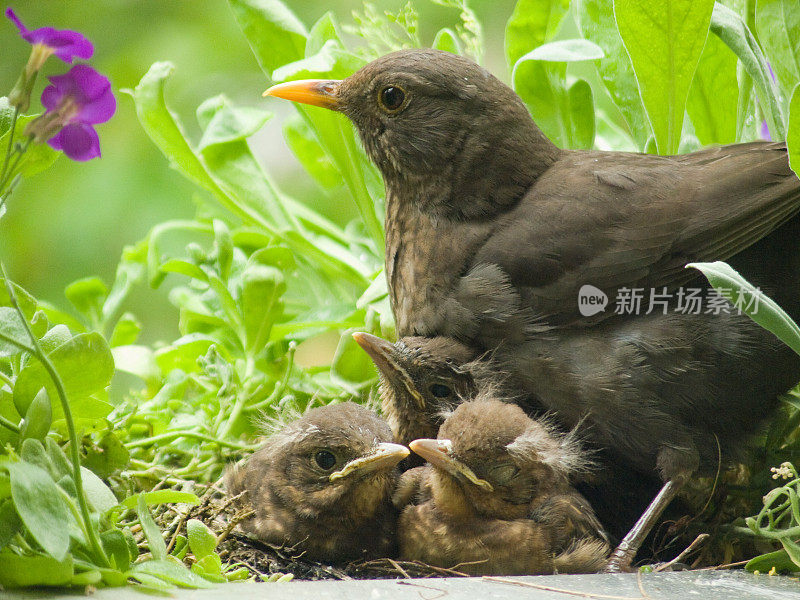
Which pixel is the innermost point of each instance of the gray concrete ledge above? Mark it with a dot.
(686, 585)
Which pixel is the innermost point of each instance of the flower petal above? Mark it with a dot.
(66, 43)
(51, 96)
(78, 141)
(99, 110)
(15, 20)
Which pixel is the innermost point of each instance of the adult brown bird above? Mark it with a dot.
(491, 231)
(497, 497)
(323, 485)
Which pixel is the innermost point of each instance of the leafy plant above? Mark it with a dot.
(99, 427)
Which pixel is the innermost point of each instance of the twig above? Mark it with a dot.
(399, 568)
(732, 565)
(548, 588)
(641, 586)
(698, 541)
(442, 593)
(232, 523)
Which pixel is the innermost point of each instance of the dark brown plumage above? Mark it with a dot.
(323, 485)
(497, 497)
(491, 231)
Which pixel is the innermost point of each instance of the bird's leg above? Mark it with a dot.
(624, 554)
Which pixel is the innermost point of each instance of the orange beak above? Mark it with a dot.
(316, 92)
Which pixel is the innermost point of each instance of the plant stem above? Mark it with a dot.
(174, 435)
(94, 540)
(11, 133)
(8, 424)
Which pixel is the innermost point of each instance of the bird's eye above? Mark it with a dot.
(325, 460)
(392, 97)
(440, 391)
(504, 473)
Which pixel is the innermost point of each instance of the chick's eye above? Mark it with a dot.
(325, 460)
(392, 97)
(440, 391)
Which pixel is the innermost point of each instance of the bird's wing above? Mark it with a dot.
(614, 220)
(571, 516)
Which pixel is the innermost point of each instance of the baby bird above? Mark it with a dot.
(496, 498)
(421, 379)
(323, 485)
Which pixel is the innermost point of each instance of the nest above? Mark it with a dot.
(222, 513)
(707, 500)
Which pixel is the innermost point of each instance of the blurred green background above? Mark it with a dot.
(73, 220)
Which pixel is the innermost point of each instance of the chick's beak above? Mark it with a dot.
(316, 92)
(382, 458)
(383, 354)
(437, 452)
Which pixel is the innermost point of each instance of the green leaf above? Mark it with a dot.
(447, 41)
(202, 541)
(84, 364)
(210, 567)
(183, 353)
(305, 146)
(793, 135)
(169, 571)
(108, 457)
(26, 571)
(739, 292)
(582, 119)
(223, 123)
(230, 162)
(664, 40)
(58, 459)
(779, 560)
(137, 360)
(10, 523)
(155, 541)
(792, 550)
(99, 495)
(714, 95)
(33, 452)
(326, 28)
(14, 337)
(351, 366)
(332, 61)
(778, 27)
(565, 51)
(262, 288)
(730, 28)
(161, 497)
(55, 337)
(532, 23)
(539, 85)
(41, 507)
(274, 33)
(38, 418)
(223, 248)
(27, 303)
(37, 157)
(126, 331)
(87, 296)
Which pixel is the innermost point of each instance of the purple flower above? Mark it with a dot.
(64, 43)
(74, 101)
(764, 131)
